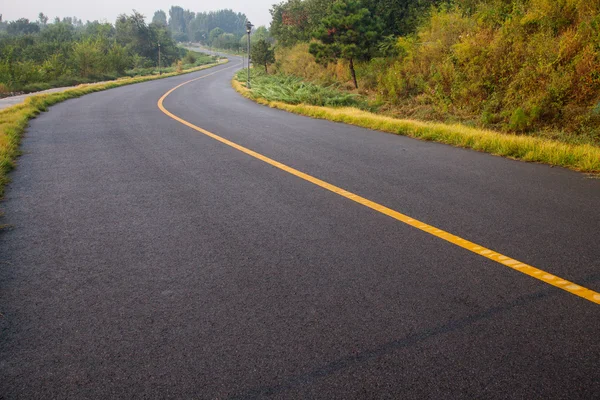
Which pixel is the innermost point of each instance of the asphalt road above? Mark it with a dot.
(147, 260)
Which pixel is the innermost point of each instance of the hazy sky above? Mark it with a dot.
(256, 10)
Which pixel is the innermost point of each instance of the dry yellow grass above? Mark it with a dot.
(584, 158)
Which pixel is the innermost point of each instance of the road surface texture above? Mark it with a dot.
(145, 259)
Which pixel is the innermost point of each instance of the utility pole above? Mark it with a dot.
(159, 72)
(248, 30)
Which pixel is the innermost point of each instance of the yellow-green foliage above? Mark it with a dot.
(585, 158)
(297, 61)
(13, 120)
(520, 65)
(513, 65)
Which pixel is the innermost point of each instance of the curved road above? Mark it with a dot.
(146, 259)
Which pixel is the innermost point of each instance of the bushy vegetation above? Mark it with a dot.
(294, 90)
(39, 55)
(521, 66)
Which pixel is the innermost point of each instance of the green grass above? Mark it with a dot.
(201, 59)
(579, 157)
(14, 120)
(294, 90)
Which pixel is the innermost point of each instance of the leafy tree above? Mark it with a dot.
(176, 19)
(260, 33)
(141, 39)
(200, 36)
(179, 23)
(262, 54)
(117, 59)
(87, 56)
(101, 30)
(160, 17)
(295, 20)
(401, 17)
(58, 33)
(42, 19)
(22, 27)
(290, 22)
(214, 35)
(180, 37)
(230, 22)
(349, 32)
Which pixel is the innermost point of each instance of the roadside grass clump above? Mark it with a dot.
(14, 120)
(295, 90)
(579, 157)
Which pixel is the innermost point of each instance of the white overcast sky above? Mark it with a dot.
(256, 10)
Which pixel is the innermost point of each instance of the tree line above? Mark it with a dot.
(69, 51)
(223, 28)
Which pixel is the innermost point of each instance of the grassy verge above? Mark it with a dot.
(193, 60)
(14, 120)
(294, 90)
(584, 157)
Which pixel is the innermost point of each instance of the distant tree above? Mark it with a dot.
(97, 29)
(262, 54)
(202, 23)
(42, 19)
(200, 36)
(180, 37)
(22, 26)
(176, 19)
(349, 32)
(58, 33)
(261, 33)
(160, 17)
(214, 34)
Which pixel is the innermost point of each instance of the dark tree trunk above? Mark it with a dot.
(266, 70)
(353, 73)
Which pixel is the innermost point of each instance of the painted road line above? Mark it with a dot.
(516, 265)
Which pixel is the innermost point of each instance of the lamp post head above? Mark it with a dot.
(249, 27)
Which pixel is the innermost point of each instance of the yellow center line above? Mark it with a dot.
(516, 265)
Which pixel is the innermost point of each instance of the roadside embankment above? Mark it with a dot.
(583, 157)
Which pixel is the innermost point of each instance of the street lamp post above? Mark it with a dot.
(159, 72)
(248, 30)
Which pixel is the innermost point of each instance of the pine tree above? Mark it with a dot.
(349, 32)
(262, 53)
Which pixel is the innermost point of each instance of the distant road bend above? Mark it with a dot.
(172, 239)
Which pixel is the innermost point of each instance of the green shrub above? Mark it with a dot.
(519, 121)
(189, 58)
